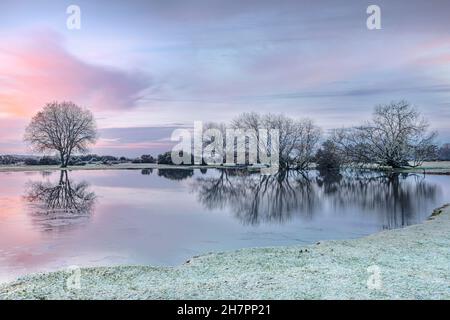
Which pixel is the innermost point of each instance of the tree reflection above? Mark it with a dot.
(256, 198)
(396, 200)
(60, 205)
(176, 174)
(147, 172)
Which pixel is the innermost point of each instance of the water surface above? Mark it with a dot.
(52, 220)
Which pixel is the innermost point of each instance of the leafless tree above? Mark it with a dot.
(298, 139)
(63, 127)
(221, 127)
(397, 136)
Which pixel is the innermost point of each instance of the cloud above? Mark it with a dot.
(11, 131)
(39, 69)
(135, 141)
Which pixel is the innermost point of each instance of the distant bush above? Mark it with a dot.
(49, 161)
(444, 152)
(7, 159)
(328, 156)
(90, 158)
(82, 160)
(165, 158)
(146, 158)
(108, 158)
(31, 162)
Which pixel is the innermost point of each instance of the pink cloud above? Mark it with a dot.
(39, 69)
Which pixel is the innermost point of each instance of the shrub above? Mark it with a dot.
(165, 158)
(444, 152)
(328, 156)
(146, 158)
(31, 162)
(49, 161)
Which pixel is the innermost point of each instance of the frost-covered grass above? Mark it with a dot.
(414, 263)
(432, 167)
(120, 166)
(438, 167)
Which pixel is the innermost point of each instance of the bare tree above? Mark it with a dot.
(220, 153)
(304, 144)
(250, 122)
(397, 136)
(63, 127)
(298, 138)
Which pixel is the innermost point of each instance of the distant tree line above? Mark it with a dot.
(79, 160)
(396, 136)
(82, 160)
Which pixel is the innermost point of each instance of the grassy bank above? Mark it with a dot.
(432, 167)
(435, 167)
(121, 166)
(413, 263)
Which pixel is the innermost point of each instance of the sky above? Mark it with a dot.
(145, 68)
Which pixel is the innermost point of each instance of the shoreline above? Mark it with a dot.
(124, 166)
(328, 270)
(437, 168)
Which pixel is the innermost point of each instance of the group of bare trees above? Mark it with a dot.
(397, 136)
(298, 139)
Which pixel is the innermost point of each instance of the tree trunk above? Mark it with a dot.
(67, 159)
(63, 162)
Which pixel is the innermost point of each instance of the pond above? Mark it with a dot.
(53, 220)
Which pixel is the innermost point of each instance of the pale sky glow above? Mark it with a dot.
(146, 67)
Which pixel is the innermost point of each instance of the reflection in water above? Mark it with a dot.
(147, 172)
(62, 205)
(256, 198)
(397, 198)
(165, 217)
(176, 174)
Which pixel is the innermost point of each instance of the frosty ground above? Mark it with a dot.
(413, 263)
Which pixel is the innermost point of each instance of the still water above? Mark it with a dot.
(52, 220)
